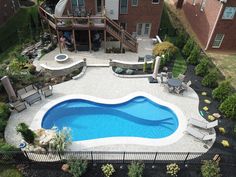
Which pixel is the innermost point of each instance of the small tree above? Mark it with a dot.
(135, 169)
(193, 58)
(27, 134)
(228, 107)
(223, 91)
(188, 47)
(210, 80)
(202, 68)
(210, 169)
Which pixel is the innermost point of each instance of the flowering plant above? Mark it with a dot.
(172, 169)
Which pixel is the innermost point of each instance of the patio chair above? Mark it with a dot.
(181, 77)
(18, 106)
(140, 59)
(203, 124)
(169, 75)
(185, 86)
(200, 135)
(21, 92)
(47, 91)
(180, 90)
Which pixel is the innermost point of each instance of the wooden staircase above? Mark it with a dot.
(120, 34)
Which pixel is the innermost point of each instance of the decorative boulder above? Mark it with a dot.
(207, 101)
(216, 115)
(65, 167)
(204, 93)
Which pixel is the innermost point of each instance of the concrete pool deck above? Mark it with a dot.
(102, 83)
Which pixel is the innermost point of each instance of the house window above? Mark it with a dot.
(194, 2)
(134, 2)
(203, 5)
(81, 3)
(229, 13)
(155, 1)
(218, 40)
(123, 6)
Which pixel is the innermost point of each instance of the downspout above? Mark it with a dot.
(213, 30)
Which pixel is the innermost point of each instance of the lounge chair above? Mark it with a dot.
(18, 106)
(47, 91)
(199, 135)
(185, 86)
(203, 124)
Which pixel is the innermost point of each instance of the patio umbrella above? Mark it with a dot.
(60, 8)
(8, 87)
(156, 68)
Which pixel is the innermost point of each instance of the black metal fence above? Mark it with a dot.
(23, 157)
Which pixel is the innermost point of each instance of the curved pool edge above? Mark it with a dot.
(36, 123)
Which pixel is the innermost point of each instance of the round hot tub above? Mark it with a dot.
(61, 57)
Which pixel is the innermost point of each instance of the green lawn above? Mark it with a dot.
(9, 171)
(17, 29)
(180, 65)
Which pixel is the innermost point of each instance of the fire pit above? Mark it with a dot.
(61, 57)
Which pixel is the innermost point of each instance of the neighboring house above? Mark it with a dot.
(136, 17)
(7, 9)
(214, 22)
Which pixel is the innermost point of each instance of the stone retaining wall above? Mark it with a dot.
(129, 65)
(61, 71)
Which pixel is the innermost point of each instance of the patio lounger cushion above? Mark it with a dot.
(203, 124)
(200, 135)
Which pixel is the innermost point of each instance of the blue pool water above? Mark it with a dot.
(139, 117)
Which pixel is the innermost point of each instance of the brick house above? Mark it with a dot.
(121, 19)
(8, 9)
(214, 22)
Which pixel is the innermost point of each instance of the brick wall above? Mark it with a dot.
(228, 28)
(145, 12)
(7, 10)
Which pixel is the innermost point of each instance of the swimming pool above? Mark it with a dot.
(138, 118)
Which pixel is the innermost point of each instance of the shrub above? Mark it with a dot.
(193, 58)
(32, 69)
(61, 140)
(27, 134)
(108, 170)
(202, 68)
(10, 172)
(181, 39)
(210, 169)
(163, 48)
(228, 107)
(210, 80)
(135, 169)
(4, 111)
(119, 70)
(172, 169)
(188, 47)
(77, 167)
(6, 147)
(223, 91)
(3, 124)
(129, 71)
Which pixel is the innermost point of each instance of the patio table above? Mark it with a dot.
(175, 83)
